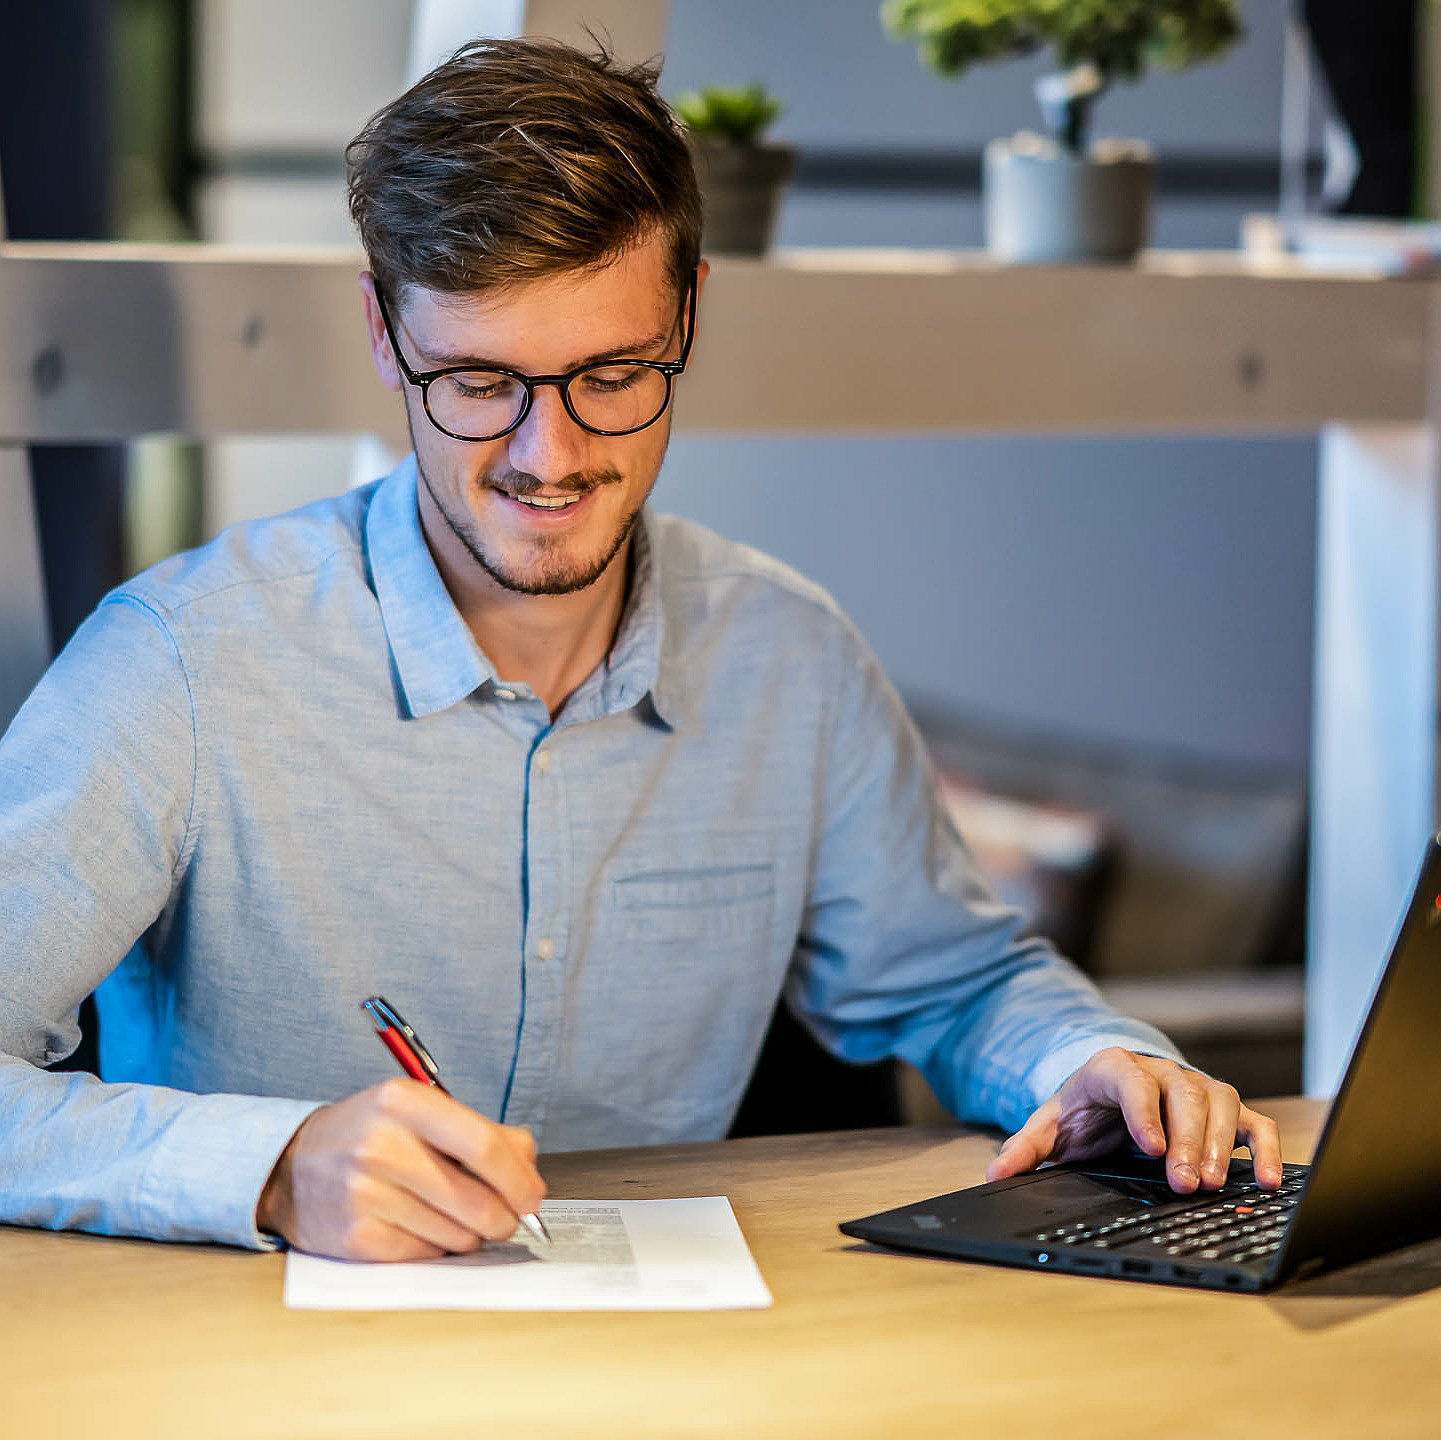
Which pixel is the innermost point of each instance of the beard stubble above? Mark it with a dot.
(555, 574)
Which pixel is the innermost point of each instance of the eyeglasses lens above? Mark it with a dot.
(480, 404)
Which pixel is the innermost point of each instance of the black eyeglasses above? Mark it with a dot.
(614, 397)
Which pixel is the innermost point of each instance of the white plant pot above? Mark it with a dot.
(1045, 205)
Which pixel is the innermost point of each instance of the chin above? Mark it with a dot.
(549, 577)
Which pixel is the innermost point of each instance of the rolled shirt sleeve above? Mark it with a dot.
(97, 793)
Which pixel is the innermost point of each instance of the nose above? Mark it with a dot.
(548, 443)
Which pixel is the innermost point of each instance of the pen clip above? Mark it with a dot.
(386, 1017)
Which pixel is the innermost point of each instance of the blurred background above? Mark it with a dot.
(1108, 641)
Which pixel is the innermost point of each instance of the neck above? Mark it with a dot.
(549, 643)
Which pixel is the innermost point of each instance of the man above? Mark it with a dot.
(580, 788)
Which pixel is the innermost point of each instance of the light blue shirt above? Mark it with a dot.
(276, 775)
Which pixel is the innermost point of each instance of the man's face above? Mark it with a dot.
(473, 494)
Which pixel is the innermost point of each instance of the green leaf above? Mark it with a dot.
(738, 114)
(1122, 37)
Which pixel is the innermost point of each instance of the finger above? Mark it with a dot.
(1030, 1145)
(404, 1158)
(523, 1140)
(405, 1211)
(370, 1238)
(502, 1156)
(1186, 1103)
(443, 1185)
(1221, 1117)
(1259, 1134)
(1138, 1093)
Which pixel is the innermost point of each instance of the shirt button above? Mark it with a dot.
(506, 694)
(545, 948)
(542, 761)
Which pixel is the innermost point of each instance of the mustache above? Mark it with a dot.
(517, 482)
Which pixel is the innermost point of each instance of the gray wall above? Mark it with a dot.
(1145, 592)
(844, 81)
(1149, 591)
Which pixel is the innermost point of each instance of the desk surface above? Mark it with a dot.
(127, 1338)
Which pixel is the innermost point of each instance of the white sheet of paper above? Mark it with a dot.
(607, 1255)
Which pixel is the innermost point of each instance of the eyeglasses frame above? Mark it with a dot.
(424, 379)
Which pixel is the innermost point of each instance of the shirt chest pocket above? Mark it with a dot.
(719, 903)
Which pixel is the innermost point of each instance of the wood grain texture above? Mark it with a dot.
(109, 341)
(127, 1339)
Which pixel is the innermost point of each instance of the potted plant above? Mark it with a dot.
(740, 175)
(1058, 197)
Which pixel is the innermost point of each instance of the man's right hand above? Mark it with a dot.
(399, 1172)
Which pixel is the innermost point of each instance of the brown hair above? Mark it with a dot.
(516, 159)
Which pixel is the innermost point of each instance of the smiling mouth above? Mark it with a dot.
(548, 502)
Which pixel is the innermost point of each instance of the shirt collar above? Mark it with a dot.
(437, 662)
(640, 663)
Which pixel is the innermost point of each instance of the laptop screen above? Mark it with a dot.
(1375, 1182)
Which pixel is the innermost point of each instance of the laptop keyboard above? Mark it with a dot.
(1236, 1224)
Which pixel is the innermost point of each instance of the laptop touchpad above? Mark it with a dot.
(1061, 1197)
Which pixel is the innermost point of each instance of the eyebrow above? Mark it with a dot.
(632, 349)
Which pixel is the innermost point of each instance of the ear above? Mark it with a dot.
(380, 351)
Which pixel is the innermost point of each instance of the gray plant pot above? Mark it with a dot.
(740, 186)
(1045, 205)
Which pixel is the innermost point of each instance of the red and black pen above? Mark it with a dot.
(414, 1059)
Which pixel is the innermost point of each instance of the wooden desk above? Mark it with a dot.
(121, 1339)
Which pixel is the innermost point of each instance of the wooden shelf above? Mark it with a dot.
(111, 341)
(908, 341)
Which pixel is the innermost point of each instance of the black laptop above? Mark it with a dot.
(1374, 1184)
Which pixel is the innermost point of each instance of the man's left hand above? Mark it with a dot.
(1194, 1121)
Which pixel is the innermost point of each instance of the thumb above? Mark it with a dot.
(1031, 1144)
